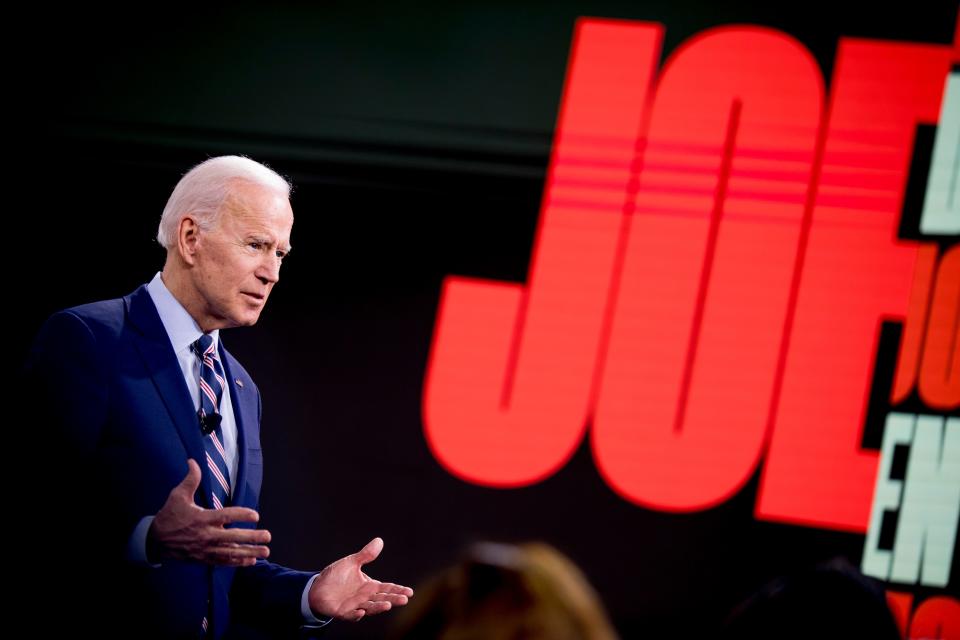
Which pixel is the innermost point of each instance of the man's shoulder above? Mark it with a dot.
(105, 313)
(85, 332)
(104, 319)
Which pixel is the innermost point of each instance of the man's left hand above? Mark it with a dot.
(344, 591)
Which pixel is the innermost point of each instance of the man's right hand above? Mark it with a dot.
(182, 530)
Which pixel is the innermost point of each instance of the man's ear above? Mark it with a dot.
(188, 238)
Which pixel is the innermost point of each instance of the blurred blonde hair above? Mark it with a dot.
(507, 592)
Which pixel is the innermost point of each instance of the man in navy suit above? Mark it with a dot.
(130, 540)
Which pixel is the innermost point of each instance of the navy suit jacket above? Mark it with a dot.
(120, 425)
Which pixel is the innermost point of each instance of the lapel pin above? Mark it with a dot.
(239, 382)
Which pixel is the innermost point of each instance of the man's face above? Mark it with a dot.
(238, 260)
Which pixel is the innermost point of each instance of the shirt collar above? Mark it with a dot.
(181, 328)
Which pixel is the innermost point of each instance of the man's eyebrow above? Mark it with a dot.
(267, 240)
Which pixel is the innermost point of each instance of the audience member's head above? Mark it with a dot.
(507, 592)
(833, 600)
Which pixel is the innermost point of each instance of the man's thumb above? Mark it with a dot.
(370, 552)
(192, 480)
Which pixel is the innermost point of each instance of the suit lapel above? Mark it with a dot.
(152, 342)
(243, 397)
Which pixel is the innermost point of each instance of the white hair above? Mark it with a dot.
(202, 190)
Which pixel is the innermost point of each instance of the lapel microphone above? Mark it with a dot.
(209, 422)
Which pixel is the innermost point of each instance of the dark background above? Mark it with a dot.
(417, 138)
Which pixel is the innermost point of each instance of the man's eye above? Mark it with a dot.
(281, 254)
(255, 246)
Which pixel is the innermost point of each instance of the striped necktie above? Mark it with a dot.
(212, 382)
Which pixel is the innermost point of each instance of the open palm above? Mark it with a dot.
(344, 591)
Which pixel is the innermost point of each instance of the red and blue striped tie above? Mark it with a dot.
(212, 382)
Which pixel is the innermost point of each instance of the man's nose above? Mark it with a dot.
(269, 270)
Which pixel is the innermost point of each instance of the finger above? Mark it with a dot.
(238, 552)
(241, 536)
(232, 514)
(242, 550)
(191, 481)
(372, 608)
(389, 587)
(370, 552)
(395, 599)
